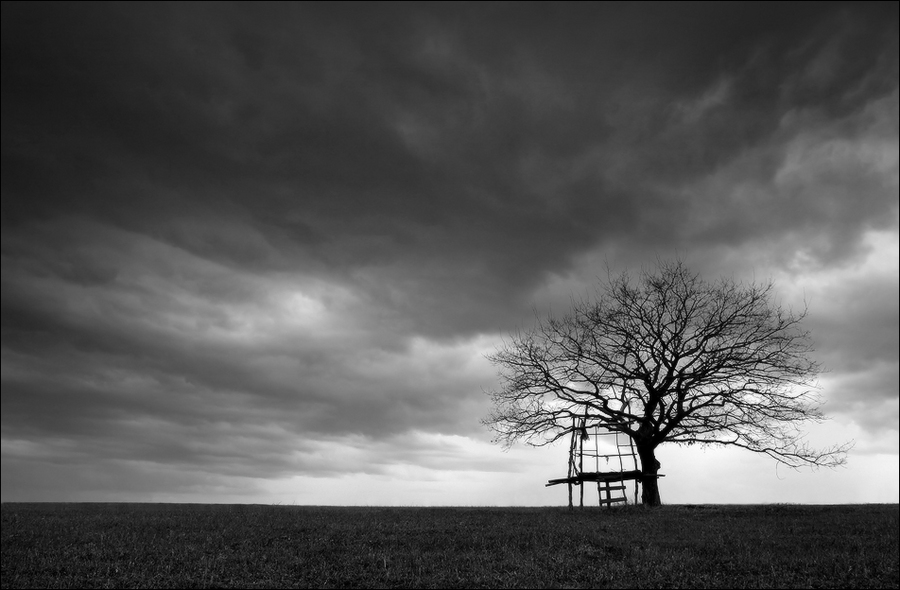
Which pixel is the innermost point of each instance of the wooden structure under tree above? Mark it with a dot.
(619, 459)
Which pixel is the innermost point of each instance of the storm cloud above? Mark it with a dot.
(247, 242)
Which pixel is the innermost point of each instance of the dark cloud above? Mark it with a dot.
(233, 229)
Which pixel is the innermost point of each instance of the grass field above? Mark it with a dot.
(247, 546)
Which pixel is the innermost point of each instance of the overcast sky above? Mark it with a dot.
(257, 252)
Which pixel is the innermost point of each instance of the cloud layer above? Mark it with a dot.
(242, 243)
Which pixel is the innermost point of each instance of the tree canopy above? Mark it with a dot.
(671, 358)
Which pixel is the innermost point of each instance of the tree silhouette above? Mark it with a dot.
(667, 358)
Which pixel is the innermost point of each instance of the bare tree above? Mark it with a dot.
(670, 358)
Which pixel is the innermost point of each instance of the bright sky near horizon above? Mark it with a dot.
(257, 252)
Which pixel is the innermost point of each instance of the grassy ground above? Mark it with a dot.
(192, 546)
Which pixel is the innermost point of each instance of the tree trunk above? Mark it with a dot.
(649, 479)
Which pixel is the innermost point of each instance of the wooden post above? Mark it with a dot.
(572, 444)
(581, 468)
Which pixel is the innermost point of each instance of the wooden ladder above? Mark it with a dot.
(607, 488)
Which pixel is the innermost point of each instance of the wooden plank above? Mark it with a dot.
(597, 476)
